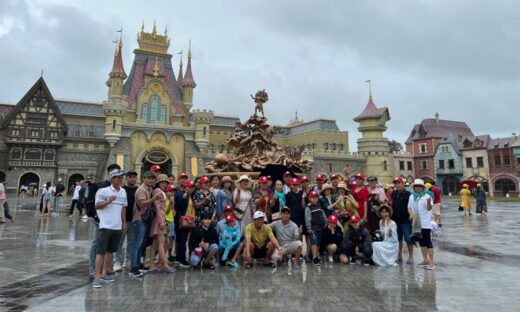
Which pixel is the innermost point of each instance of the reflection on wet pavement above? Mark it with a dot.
(43, 267)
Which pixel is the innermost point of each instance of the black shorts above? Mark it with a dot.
(426, 239)
(259, 252)
(108, 241)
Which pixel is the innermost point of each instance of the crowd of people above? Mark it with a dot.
(210, 222)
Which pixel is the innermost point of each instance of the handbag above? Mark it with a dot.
(148, 215)
(186, 222)
(460, 208)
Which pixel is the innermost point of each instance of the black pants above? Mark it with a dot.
(181, 237)
(73, 204)
(7, 215)
(363, 247)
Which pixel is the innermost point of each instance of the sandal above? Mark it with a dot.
(431, 267)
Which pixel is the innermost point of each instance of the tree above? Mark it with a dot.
(395, 146)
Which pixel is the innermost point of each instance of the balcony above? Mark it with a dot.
(32, 163)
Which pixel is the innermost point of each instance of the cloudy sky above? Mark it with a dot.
(458, 58)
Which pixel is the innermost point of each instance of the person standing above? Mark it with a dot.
(110, 203)
(385, 251)
(47, 191)
(315, 221)
(402, 218)
(75, 199)
(361, 195)
(421, 203)
(3, 200)
(130, 188)
(465, 199)
(59, 189)
(170, 224)
(377, 198)
(244, 204)
(204, 200)
(480, 196)
(184, 207)
(224, 196)
(437, 203)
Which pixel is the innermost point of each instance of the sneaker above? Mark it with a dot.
(232, 264)
(135, 274)
(366, 262)
(171, 259)
(84, 217)
(97, 284)
(117, 267)
(71, 215)
(184, 265)
(330, 259)
(316, 261)
(126, 264)
(409, 261)
(143, 269)
(108, 278)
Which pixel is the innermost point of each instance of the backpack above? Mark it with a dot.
(148, 215)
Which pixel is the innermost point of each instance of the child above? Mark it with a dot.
(315, 220)
(170, 216)
(230, 239)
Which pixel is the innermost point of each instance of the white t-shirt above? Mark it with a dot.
(110, 216)
(75, 195)
(421, 207)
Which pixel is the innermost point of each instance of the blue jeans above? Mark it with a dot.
(129, 238)
(138, 240)
(93, 248)
(404, 230)
(57, 204)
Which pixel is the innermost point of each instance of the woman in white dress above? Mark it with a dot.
(243, 210)
(385, 251)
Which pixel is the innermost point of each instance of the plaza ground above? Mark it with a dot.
(43, 265)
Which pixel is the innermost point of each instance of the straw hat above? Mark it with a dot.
(390, 210)
(418, 182)
(325, 187)
(342, 185)
(162, 178)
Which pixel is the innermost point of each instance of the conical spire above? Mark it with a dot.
(179, 76)
(117, 67)
(188, 77)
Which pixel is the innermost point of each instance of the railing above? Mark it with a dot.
(31, 163)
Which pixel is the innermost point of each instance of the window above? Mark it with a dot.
(15, 132)
(498, 161)
(385, 165)
(33, 154)
(309, 146)
(341, 147)
(480, 162)
(145, 112)
(37, 118)
(16, 154)
(423, 148)
(441, 164)
(49, 155)
(424, 164)
(154, 108)
(326, 146)
(77, 132)
(333, 146)
(409, 166)
(313, 145)
(53, 134)
(114, 124)
(35, 133)
(469, 162)
(507, 160)
(162, 115)
(401, 165)
(445, 149)
(451, 163)
(204, 131)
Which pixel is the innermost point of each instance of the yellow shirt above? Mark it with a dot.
(170, 213)
(259, 237)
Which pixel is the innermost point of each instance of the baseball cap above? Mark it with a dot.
(131, 173)
(286, 209)
(148, 174)
(228, 208)
(332, 219)
(320, 177)
(305, 179)
(295, 181)
(230, 218)
(204, 179)
(313, 194)
(169, 187)
(355, 219)
(155, 168)
(258, 215)
(286, 174)
(183, 175)
(189, 183)
(398, 180)
(262, 180)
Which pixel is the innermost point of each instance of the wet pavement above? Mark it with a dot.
(43, 268)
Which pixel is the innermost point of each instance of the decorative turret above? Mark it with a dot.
(153, 42)
(188, 83)
(202, 120)
(117, 74)
(115, 110)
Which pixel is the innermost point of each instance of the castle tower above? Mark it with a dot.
(188, 84)
(373, 145)
(202, 120)
(115, 105)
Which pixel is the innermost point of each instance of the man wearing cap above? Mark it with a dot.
(143, 200)
(287, 182)
(130, 189)
(110, 204)
(377, 198)
(315, 220)
(260, 241)
(156, 169)
(399, 200)
(357, 237)
(229, 240)
(296, 202)
(320, 180)
(334, 180)
(331, 240)
(289, 237)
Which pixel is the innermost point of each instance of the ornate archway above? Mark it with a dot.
(30, 179)
(72, 181)
(156, 155)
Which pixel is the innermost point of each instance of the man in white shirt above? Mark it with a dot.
(75, 198)
(111, 205)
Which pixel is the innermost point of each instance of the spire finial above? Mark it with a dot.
(154, 30)
(156, 68)
(166, 31)
(41, 73)
(369, 90)
(189, 50)
(120, 31)
(142, 27)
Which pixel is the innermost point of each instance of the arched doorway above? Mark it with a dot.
(157, 157)
(72, 182)
(31, 180)
(505, 186)
(2, 177)
(449, 185)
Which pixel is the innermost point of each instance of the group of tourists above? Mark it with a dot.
(212, 222)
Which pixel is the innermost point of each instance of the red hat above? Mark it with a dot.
(230, 218)
(353, 183)
(263, 180)
(183, 175)
(334, 176)
(155, 168)
(359, 175)
(169, 187)
(313, 194)
(320, 177)
(305, 179)
(203, 180)
(269, 177)
(287, 174)
(189, 183)
(355, 219)
(295, 181)
(398, 180)
(228, 208)
(332, 219)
